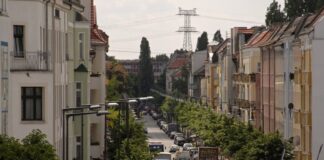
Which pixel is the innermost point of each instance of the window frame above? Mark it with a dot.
(34, 98)
(20, 53)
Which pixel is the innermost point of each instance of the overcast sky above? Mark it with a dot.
(127, 21)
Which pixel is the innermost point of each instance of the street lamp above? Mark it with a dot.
(111, 104)
(66, 123)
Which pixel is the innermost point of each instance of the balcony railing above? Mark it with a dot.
(242, 103)
(245, 78)
(30, 61)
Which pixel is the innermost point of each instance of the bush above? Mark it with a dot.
(33, 147)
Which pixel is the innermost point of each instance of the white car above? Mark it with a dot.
(186, 146)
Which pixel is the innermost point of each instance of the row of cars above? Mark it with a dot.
(179, 140)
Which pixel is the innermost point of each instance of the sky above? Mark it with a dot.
(127, 21)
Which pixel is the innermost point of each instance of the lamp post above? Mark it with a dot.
(113, 104)
(66, 123)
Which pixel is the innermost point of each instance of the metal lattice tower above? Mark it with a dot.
(187, 29)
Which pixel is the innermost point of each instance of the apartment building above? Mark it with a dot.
(99, 48)
(5, 44)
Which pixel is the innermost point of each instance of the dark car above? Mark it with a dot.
(179, 141)
(145, 130)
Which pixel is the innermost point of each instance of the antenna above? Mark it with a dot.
(187, 29)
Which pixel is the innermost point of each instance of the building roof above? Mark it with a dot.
(97, 35)
(177, 63)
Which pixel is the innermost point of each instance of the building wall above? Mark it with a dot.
(18, 128)
(98, 96)
(267, 89)
(279, 89)
(317, 92)
(33, 19)
(5, 44)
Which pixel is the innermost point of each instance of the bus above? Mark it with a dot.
(156, 147)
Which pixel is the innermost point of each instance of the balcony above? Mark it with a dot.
(244, 78)
(242, 103)
(30, 61)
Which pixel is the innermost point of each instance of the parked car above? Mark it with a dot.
(179, 141)
(178, 134)
(186, 146)
(161, 123)
(172, 134)
(145, 130)
(174, 148)
(165, 127)
(172, 127)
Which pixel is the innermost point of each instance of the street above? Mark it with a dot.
(155, 134)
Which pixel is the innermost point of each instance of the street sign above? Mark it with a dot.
(208, 153)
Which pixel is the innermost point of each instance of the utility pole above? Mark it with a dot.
(187, 29)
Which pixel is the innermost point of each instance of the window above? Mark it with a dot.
(78, 94)
(81, 45)
(78, 147)
(259, 67)
(57, 13)
(2, 6)
(32, 103)
(19, 41)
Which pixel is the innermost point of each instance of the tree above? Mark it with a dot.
(135, 147)
(274, 14)
(218, 37)
(33, 147)
(294, 8)
(319, 4)
(36, 147)
(202, 42)
(145, 75)
(162, 57)
(161, 82)
(10, 148)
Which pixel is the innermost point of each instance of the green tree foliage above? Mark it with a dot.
(274, 14)
(36, 147)
(319, 4)
(235, 139)
(10, 148)
(296, 8)
(218, 37)
(202, 42)
(145, 75)
(161, 82)
(135, 147)
(33, 147)
(162, 58)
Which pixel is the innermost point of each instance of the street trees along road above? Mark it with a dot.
(234, 138)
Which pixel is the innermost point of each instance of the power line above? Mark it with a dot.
(230, 19)
(140, 22)
(138, 38)
(128, 51)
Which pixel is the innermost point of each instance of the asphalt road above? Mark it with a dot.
(155, 134)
